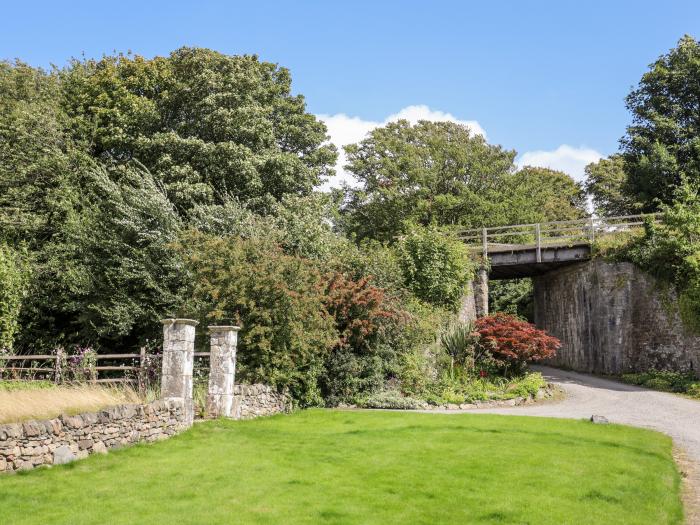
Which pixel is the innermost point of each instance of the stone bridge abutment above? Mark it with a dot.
(612, 318)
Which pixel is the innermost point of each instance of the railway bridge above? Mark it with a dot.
(612, 318)
(529, 250)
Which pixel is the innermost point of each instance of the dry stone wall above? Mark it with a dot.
(251, 401)
(61, 440)
(613, 318)
(66, 438)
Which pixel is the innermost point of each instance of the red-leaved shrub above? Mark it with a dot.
(358, 307)
(514, 342)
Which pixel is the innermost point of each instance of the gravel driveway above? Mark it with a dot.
(620, 403)
(627, 404)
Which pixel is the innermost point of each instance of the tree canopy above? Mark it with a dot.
(606, 184)
(207, 125)
(440, 173)
(662, 145)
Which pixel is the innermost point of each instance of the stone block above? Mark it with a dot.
(128, 411)
(53, 426)
(85, 444)
(90, 418)
(33, 428)
(72, 422)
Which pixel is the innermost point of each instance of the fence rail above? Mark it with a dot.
(550, 234)
(53, 367)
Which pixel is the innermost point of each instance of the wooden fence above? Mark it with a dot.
(54, 367)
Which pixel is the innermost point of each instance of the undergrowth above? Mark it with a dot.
(680, 383)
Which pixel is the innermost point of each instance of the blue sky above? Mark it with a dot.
(545, 78)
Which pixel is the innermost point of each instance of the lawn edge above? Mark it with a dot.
(690, 485)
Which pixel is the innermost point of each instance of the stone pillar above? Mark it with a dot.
(481, 292)
(467, 307)
(222, 370)
(178, 362)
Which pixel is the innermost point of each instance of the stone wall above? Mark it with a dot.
(65, 438)
(251, 401)
(613, 318)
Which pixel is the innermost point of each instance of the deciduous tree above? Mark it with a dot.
(662, 145)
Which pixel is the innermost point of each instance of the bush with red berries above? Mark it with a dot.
(513, 342)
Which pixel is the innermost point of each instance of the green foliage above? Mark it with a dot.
(14, 278)
(541, 194)
(390, 400)
(435, 267)
(372, 258)
(461, 343)
(108, 274)
(666, 381)
(206, 124)
(662, 146)
(304, 223)
(103, 162)
(606, 184)
(418, 337)
(670, 250)
(36, 156)
(432, 172)
(37, 384)
(512, 296)
(440, 173)
(278, 299)
(460, 390)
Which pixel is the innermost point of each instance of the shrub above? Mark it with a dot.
(461, 343)
(14, 273)
(513, 342)
(359, 359)
(468, 390)
(670, 250)
(528, 386)
(694, 390)
(666, 381)
(358, 309)
(417, 336)
(436, 268)
(277, 298)
(81, 364)
(391, 400)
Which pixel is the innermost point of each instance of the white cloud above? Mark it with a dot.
(565, 158)
(344, 130)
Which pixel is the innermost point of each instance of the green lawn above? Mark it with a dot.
(365, 467)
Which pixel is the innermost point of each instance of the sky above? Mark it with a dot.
(545, 78)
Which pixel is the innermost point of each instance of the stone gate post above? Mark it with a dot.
(178, 362)
(222, 370)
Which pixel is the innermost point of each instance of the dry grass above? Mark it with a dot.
(690, 474)
(45, 403)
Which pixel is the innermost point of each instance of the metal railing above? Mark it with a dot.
(550, 234)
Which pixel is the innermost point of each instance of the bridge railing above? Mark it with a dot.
(548, 234)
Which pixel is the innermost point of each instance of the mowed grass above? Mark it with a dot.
(342, 467)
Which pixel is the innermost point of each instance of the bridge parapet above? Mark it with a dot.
(554, 233)
(523, 250)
